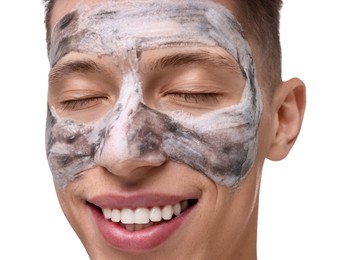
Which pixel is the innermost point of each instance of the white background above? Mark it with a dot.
(302, 200)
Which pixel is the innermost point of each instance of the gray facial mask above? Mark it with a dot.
(221, 144)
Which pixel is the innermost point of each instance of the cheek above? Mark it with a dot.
(230, 215)
(70, 148)
(74, 210)
(69, 208)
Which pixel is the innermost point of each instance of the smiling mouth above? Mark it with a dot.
(141, 218)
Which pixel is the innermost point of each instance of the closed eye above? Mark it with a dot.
(206, 98)
(81, 103)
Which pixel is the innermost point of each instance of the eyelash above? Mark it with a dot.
(78, 104)
(83, 103)
(211, 98)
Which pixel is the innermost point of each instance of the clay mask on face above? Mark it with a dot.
(221, 144)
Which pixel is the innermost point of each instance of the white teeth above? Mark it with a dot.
(127, 216)
(141, 218)
(167, 212)
(107, 213)
(116, 215)
(155, 214)
(177, 209)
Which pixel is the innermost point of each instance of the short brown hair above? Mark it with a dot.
(260, 22)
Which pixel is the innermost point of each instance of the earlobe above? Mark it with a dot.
(289, 105)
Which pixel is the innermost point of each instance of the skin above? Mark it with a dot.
(231, 215)
(220, 143)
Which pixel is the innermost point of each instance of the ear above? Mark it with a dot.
(289, 105)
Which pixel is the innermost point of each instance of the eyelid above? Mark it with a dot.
(81, 103)
(208, 98)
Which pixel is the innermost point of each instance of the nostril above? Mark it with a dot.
(130, 167)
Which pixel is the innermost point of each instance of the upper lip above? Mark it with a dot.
(137, 201)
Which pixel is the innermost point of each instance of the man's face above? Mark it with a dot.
(153, 130)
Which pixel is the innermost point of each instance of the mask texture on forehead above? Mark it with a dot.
(221, 144)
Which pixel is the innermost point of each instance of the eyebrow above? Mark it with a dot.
(201, 58)
(73, 67)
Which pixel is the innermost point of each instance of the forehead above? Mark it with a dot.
(123, 26)
(62, 7)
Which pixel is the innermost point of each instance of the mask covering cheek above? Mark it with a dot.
(221, 144)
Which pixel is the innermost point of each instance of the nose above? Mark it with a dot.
(126, 167)
(131, 142)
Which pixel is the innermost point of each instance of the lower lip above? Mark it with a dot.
(134, 241)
